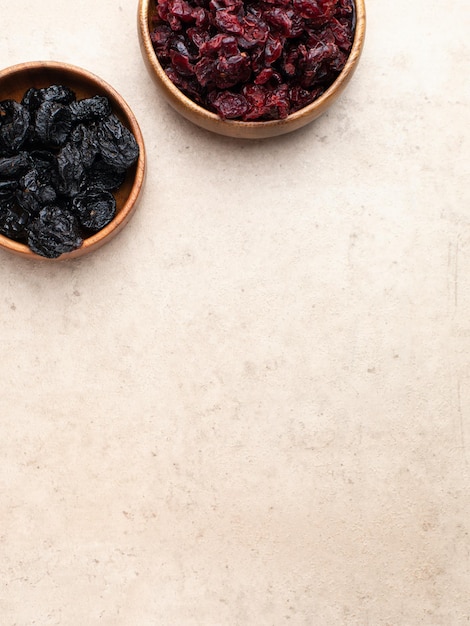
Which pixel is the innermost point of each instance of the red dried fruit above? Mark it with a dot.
(228, 105)
(181, 10)
(220, 44)
(161, 38)
(264, 76)
(255, 32)
(230, 71)
(197, 36)
(273, 50)
(279, 20)
(254, 60)
(228, 22)
(181, 63)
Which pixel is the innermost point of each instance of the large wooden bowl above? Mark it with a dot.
(15, 80)
(232, 128)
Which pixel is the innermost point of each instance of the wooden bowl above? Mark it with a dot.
(232, 128)
(15, 80)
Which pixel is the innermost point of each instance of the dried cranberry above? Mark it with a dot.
(255, 32)
(279, 20)
(272, 50)
(181, 9)
(228, 22)
(264, 76)
(181, 63)
(229, 105)
(230, 71)
(197, 36)
(220, 44)
(161, 39)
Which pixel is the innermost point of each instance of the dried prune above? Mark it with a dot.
(117, 144)
(14, 126)
(7, 189)
(13, 165)
(32, 194)
(104, 176)
(71, 170)
(53, 232)
(89, 109)
(14, 220)
(60, 160)
(85, 138)
(218, 52)
(53, 123)
(33, 98)
(45, 163)
(95, 208)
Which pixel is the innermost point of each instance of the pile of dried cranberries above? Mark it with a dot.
(254, 59)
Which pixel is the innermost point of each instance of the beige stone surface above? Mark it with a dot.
(251, 408)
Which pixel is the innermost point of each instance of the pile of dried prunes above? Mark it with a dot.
(61, 159)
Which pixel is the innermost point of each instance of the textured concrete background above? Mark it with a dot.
(252, 408)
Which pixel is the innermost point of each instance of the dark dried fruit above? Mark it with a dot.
(85, 138)
(105, 177)
(7, 189)
(14, 126)
(89, 109)
(60, 94)
(13, 165)
(95, 208)
(54, 232)
(60, 159)
(32, 194)
(71, 170)
(14, 220)
(218, 52)
(53, 124)
(45, 164)
(118, 147)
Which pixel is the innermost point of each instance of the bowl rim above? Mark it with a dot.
(184, 104)
(122, 217)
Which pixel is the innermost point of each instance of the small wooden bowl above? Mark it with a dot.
(232, 128)
(15, 80)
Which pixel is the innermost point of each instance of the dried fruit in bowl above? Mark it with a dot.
(256, 60)
(60, 160)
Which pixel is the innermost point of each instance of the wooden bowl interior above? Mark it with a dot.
(13, 84)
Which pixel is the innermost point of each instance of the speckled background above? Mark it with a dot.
(251, 408)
